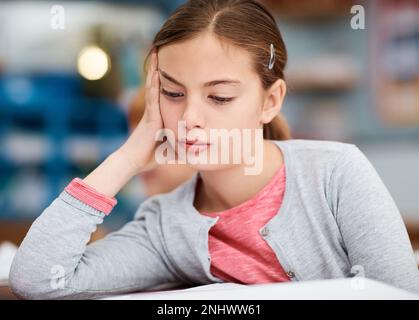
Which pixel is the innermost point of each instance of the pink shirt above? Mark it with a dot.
(238, 255)
(241, 254)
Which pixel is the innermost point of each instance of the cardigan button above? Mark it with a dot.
(290, 274)
(264, 231)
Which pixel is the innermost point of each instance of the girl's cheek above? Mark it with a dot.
(165, 106)
(170, 113)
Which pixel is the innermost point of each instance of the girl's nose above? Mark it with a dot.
(193, 116)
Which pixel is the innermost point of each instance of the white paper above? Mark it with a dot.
(7, 253)
(333, 289)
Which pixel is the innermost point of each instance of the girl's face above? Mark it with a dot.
(209, 85)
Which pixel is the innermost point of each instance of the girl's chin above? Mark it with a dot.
(210, 167)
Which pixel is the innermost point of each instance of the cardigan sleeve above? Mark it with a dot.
(55, 261)
(372, 228)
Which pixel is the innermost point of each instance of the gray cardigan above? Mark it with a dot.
(337, 220)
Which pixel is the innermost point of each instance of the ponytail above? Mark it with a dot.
(277, 129)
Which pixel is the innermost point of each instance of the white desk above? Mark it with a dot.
(334, 289)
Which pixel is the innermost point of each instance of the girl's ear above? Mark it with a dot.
(273, 101)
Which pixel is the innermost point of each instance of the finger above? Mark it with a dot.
(153, 100)
(155, 60)
(151, 68)
(155, 86)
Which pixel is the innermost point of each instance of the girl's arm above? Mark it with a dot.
(372, 228)
(53, 261)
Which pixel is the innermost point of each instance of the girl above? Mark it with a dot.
(316, 210)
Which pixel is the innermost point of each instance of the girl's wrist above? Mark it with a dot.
(132, 163)
(111, 175)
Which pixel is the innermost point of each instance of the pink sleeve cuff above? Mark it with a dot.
(88, 195)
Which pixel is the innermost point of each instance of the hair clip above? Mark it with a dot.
(272, 58)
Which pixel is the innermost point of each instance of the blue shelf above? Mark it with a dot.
(50, 110)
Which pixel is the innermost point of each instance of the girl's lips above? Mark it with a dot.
(194, 146)
(195, 142)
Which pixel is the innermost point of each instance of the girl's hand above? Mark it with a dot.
(137, 153)
(139, 148)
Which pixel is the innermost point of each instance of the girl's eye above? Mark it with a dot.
(174, 95)
(171, 94)
(221, 100)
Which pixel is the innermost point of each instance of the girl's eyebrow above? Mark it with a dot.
(206, 84)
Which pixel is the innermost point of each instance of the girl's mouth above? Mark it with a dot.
(194, 145)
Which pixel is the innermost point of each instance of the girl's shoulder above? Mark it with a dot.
(321, 146)
(314, 156)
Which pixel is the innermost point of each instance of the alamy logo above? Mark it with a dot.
(57, 21)
(358, 280)
(358, 20)
(221, 146)
(57, 277)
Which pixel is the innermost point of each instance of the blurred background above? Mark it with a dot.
(69, 72)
